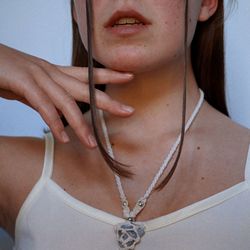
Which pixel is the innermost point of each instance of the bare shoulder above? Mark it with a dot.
(20, 168)
(225, 140)
(225, 130)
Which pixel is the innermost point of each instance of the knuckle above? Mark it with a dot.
(67, 104)
(79, 124)
(33, 68)
(28, 90)
(44, 110)
(80, 128)
(55, 123)
(104, 100)
(84, 93)
(44, 63)
(103, 97)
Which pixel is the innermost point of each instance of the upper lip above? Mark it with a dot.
(125, 13)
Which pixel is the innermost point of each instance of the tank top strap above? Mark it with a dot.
(48, 155)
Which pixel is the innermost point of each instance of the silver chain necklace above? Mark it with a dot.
(129, 233)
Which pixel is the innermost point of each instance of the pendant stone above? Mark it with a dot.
(129, 234)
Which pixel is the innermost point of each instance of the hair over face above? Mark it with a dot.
(207, 57)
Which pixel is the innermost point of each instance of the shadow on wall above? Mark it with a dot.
(6, 242)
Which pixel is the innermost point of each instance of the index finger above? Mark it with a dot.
(101, 76)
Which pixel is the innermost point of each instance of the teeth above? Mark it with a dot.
(127, 20)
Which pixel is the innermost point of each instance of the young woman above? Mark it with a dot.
(58, 195)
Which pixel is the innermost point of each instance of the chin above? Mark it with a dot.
(126, 67)
(135, 60)
(132, 67)
(126, 64)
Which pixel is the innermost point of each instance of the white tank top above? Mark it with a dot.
(51, 219)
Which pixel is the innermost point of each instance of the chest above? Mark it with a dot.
(96, 186)
(89, 181)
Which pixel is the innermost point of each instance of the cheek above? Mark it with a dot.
(170, 18)
(80, 11)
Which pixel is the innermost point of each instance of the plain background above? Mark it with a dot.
(42, 28)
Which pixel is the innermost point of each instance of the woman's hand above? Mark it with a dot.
(53, 90)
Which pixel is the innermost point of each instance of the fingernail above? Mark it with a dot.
(92, 141)
(64, 136)
(127, 109)
(128, 74)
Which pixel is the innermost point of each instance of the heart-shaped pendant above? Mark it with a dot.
(129, 234)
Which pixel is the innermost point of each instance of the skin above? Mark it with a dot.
(52, 90)
(167, 20)
(215, 148)
(152, 62)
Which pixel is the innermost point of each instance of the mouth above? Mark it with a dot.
(127, 17)
(127, 21)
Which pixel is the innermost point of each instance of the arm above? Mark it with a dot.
(20, 168)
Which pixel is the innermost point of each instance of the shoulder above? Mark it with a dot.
(20, 168)
(19, 152)
(223, 129)
(225, 142)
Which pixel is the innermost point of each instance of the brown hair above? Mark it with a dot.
(207, 56)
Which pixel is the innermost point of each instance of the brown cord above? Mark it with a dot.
(116, 166)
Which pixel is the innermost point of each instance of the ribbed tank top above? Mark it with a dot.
(51, 219)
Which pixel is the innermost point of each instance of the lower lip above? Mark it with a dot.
(126, 30)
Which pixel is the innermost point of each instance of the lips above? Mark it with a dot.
(126, 14)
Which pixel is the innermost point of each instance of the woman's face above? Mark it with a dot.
(157, 41)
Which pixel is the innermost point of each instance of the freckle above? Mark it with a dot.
(112, 144)
(203, 178)
(198, 148)
(167, 104)
(64, 189)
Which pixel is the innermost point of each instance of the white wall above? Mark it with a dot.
(42, 28)
(238, 62)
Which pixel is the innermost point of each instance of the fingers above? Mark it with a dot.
(64, 89)
(39, 100)
(105, 102)
(53, 91)
(101, 76)
(64, 102)
(80, 92)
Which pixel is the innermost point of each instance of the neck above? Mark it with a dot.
(157, 98)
